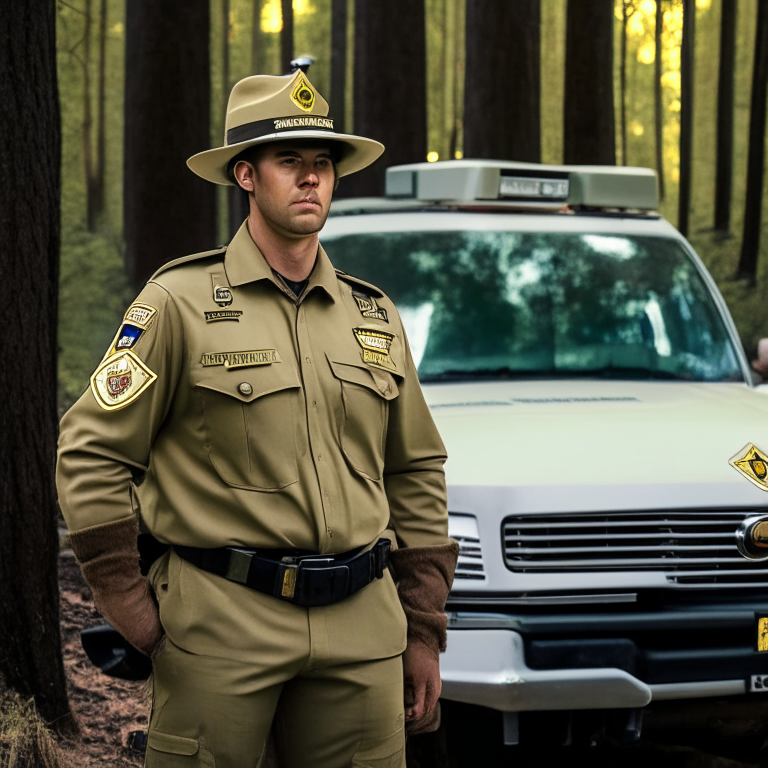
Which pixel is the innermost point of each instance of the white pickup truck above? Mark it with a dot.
(591, 388)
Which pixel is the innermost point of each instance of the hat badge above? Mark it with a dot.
(302, 95)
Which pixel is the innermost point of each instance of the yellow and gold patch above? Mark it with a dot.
(241, 359)
(753, 464)
(119, 380)
(376, 347)
(302, 95)
(140, 315)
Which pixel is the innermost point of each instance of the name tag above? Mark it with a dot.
(241, 359)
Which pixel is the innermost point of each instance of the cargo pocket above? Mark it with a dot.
(250, 422)
(365, 394)
(165, 750)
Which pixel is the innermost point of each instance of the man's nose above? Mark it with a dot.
(310, 179)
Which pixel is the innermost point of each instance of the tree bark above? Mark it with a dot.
(168, 211)
(87, 128)
(257, 63)
(338, 63)
(502, 88)
(30, 158)
(686, 114)
(97, 208)
(725, 92)
(658, 113)
(627, 11)
(390, 91)
(753, 207)
(588, 130)
(286, 37)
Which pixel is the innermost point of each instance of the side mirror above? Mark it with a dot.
(108, 650)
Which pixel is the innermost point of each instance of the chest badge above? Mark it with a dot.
(753, 464)
(120, 380)
(223, 314)
(222, 295)
(369, 308)
(376, 347)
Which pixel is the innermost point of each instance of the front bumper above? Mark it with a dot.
(485, 664)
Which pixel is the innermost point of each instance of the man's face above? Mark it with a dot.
(292, 186)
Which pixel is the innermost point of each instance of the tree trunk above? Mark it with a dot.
(588, 124)
(30, 159)
(658, 113)
(390, 91)
(98, 187)
(257, 58)
(168, 211)
(753, 207)
(625, 16)
(87, 139)
(286, 37)
(724, 167)
(338, 63)
(686, 114)
(501, 91)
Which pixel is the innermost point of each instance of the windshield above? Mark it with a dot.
(509, 304)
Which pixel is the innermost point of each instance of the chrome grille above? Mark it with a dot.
(693, 548)
(463, 528)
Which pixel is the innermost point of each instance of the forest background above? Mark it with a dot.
(245, 39)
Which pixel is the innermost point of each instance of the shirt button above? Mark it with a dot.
(314, 403)
(245, 388)
(307, 359)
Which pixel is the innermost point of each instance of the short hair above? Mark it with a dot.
(251, 155)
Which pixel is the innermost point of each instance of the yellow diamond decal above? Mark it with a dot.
(753, 464)
(303, 95)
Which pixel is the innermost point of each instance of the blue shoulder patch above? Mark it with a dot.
(127, 337)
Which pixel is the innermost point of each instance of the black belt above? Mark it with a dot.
(302, 578)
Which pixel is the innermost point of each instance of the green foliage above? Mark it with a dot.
(94, 290)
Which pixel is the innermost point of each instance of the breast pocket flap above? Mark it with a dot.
(248, 385)
(379, 382)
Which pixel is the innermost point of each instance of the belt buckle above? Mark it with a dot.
(239, 565)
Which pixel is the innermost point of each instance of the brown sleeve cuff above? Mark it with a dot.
(109, 558)
(424, 577)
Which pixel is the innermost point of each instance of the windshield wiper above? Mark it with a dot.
(505, 374)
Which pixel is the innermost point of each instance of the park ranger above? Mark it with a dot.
(259, 412)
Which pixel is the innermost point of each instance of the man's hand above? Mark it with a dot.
(421, 671)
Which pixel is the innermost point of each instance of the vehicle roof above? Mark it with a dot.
(426, 219)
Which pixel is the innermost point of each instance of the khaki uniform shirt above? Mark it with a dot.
(256, 419)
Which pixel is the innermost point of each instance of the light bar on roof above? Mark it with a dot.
(580, 186)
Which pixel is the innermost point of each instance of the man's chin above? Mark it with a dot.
(307, 224)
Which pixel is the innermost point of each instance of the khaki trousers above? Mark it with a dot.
(235, 660)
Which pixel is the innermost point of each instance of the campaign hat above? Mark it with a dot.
(267, 108)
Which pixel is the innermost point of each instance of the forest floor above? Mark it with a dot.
(107, 710)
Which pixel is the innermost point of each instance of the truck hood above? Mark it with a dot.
(571, 445)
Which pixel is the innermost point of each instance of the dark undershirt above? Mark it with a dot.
(296, 286)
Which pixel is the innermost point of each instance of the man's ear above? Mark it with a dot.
(244, 175)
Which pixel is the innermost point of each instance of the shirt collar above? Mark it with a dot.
(245, 263)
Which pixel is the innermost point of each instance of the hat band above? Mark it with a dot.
(259, 128)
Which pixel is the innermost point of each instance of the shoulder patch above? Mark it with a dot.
(186, 259)
(119, 380)
(140, 315)
(356, 281)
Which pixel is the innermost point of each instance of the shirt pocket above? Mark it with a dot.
(250, 422)
(365, 395)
